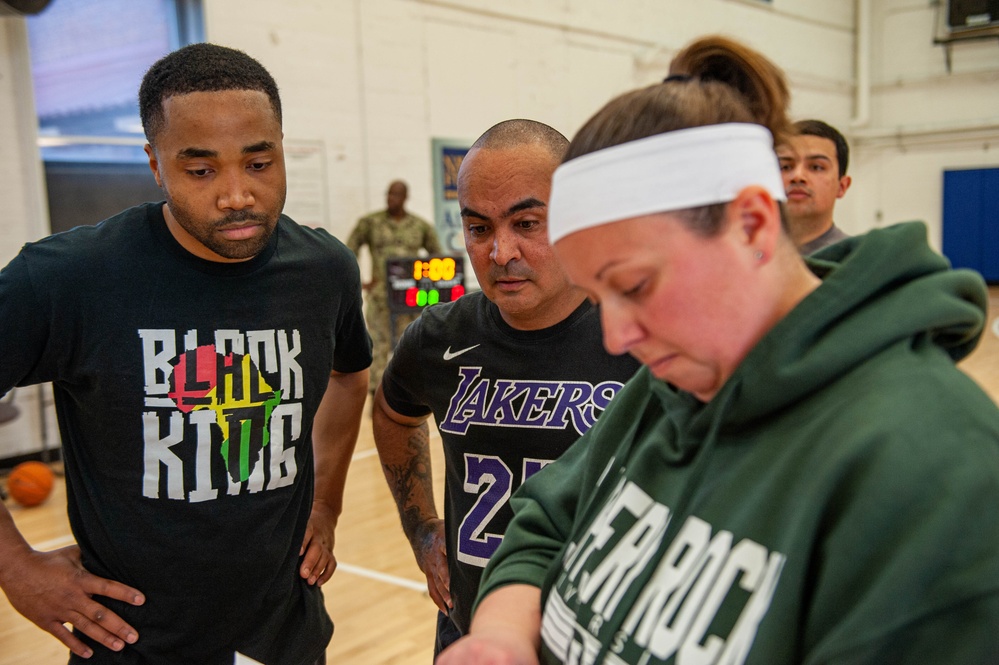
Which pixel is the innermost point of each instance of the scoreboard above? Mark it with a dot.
(417, 282)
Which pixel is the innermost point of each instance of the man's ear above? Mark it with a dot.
(153, 164)
(844, 184)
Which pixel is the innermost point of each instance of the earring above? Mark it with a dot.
(758, 255)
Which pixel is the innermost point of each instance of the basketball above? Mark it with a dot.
(30, 483)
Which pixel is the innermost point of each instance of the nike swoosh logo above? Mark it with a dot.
(450, 356)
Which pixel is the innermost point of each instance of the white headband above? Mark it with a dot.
(688, 168)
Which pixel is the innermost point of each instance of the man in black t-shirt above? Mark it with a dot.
(513, 374)
(209, 359)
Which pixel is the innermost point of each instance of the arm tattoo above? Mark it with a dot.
(412, 484)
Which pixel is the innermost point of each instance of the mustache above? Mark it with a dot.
(239, 216)
(509, 272)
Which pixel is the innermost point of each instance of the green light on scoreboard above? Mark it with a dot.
(423, 297)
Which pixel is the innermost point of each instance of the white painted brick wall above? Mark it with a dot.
(376, 80)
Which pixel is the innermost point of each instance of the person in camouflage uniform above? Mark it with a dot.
(388, 233)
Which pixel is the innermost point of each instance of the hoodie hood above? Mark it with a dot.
(881, 289)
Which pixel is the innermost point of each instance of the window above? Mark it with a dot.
(87, 59)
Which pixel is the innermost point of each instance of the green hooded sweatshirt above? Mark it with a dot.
(836, 502)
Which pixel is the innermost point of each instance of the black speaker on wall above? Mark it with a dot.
(965, 14)
(22, 7)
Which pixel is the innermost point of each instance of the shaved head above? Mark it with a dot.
(517, 133)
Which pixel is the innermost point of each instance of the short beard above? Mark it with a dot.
(229, 249)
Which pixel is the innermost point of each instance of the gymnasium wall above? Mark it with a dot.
(924, 117)
(376, 80)
(371, 82)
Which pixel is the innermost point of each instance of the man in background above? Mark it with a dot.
(513, 374)
(814, 162)
(390, 233)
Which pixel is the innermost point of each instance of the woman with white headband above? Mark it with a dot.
(799, 474)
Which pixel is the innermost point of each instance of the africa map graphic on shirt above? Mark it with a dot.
(243, 412)
(232, 405)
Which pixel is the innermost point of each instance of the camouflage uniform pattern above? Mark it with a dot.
(388, 238)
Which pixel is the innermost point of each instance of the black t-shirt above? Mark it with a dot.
(185, 391)
(506, 402)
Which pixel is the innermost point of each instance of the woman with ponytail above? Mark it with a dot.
(799, 473)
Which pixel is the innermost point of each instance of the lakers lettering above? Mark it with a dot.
(531, 404)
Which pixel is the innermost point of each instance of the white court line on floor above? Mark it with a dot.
(995, 327)
(381, 577)
(63, 541)
(370, 452)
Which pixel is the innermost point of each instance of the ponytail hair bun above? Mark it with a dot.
(713, 80)
(760, 82)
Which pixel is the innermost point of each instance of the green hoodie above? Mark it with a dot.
(836, 501)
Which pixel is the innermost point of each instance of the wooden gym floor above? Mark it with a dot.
(377, 597)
